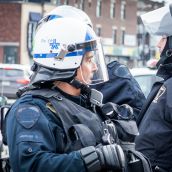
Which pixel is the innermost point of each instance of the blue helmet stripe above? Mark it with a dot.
(88, 36)
(51, 17)
(52, 55)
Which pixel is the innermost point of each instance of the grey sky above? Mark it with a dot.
(167, 1)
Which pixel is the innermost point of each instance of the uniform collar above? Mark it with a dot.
(80, 100)
(165, 71)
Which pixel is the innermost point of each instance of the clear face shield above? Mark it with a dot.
(93, 67)
(159, 22)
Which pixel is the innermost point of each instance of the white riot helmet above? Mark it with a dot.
(59, 47)
(66, 11)
(159, 22)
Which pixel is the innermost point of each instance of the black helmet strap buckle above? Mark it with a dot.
(85, 90)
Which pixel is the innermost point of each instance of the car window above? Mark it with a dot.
(11, 72)
(146, 82)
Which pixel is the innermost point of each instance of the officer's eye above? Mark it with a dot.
(90, 59)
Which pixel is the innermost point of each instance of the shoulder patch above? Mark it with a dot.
(28, 115)
(122, 71)
(112, 64)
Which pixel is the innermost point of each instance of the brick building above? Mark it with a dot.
(147, 44)
(10, 32)
(115, 21)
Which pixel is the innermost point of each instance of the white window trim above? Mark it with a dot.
(99, 8)
(114, 2)
(122, 12)
(116, 29)
(122, 41)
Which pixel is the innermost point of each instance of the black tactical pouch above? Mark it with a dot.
(127, 131)
(81, 136)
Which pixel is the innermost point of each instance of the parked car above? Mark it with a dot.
(4, 152)
(13, 76)
(3, 101)
(145, 77)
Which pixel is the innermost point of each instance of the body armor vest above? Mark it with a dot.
(82, 127)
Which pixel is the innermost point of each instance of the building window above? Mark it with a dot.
(122, 36)
(66, 2)
(98, 30)
(99, 8)
(82, 4)
(123, 10)
(56, 2)
(76, 3)
(114, 35)
(112, 9)
(89, 3)
(31, 27)
(11, 54)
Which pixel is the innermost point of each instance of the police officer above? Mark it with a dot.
(49, 128)
(155, 122)
(121, 88)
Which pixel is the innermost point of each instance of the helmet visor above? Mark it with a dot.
(158, 22)
(93, 60)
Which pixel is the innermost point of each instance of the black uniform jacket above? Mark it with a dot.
(155, 128)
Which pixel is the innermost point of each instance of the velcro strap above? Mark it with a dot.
(84, 134)
(91, 159)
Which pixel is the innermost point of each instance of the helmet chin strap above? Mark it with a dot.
(85, 89)
(93, 98)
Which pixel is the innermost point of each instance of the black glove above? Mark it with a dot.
(109, 157)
